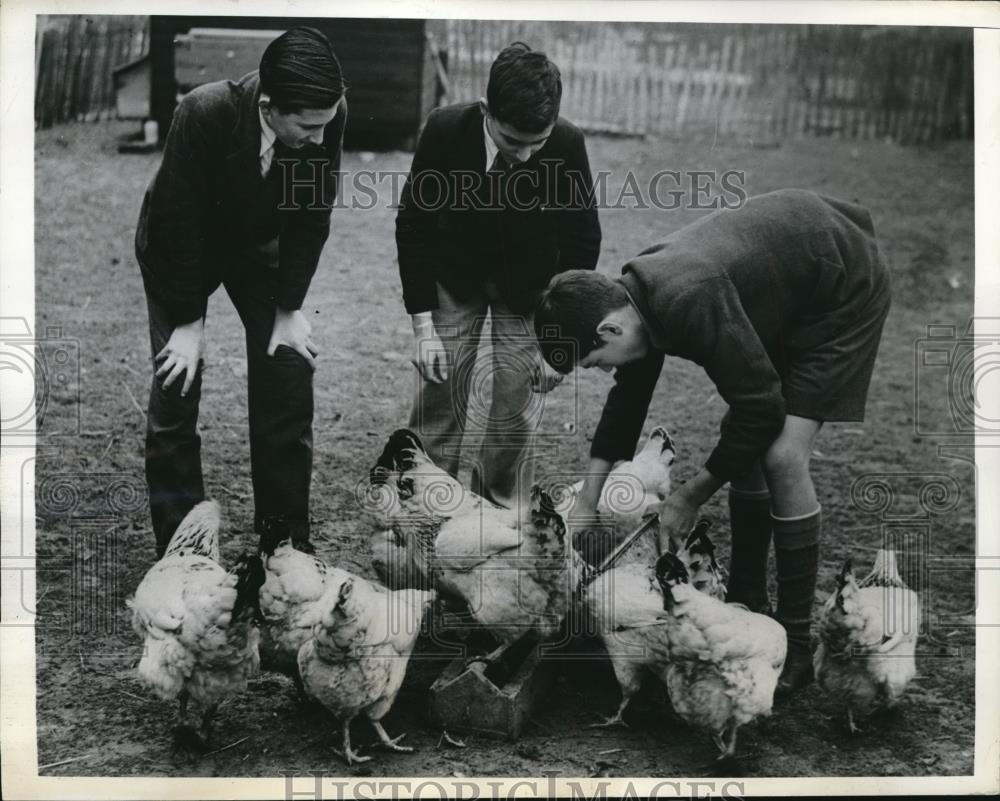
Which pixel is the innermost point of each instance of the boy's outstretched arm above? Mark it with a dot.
(585, 506)
(618, 431)
(680, 510)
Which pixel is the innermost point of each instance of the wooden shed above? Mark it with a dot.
(131, 82)
(389, 65)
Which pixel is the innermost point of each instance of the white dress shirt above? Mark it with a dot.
(267, 139)
(491, 148)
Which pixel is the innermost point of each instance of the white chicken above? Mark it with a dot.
(625, 606)
(866, 656)
(294, 583)
(640, 485)
(517, 580)
(198, 622)
(408, 499)
(631, 490)
(724, 661)
(356, 659)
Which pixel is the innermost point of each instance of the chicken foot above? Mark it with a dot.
(616, 719)
(348, 755)
(186, 739)
(390, 742)
(851, 725)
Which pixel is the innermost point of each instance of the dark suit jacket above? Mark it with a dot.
(744, 293)
(457, 227)
(201, 209)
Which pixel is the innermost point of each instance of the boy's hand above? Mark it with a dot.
(292, 329)
(584, 509)
(677, 517)
(680, 509)
(181, 355)
(429, 355)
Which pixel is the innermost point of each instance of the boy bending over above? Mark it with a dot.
(782, 302)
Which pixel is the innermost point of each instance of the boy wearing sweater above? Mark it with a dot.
(782, 302)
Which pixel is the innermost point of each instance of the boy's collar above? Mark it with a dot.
(651, 331)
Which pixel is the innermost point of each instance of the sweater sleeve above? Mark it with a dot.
(580, 228)
(416, 221)
(625, 409)
(302, 239)
(714, 331)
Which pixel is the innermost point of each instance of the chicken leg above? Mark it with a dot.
(519, 649)
(616, 719)
(854, 728)
(186, 739)
(730, 740)
(390, 742)
(207, 721)
(629, 681)
(348, 755)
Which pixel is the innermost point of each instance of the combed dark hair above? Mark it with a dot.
(568, 313)
(525, 88)
(299, 70)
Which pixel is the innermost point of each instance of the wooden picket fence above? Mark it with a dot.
(758, 82)
(911, 85)
(74, 59)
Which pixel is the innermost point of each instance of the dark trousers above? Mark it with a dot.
(280, 401)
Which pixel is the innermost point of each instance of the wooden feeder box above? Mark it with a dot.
(465, 700)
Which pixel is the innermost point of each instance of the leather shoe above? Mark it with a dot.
(798, 671)
(305, 546)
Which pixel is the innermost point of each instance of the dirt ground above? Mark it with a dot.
(94, 541)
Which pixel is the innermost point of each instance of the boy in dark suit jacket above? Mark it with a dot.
(499, 199)
(242, 198)
(782, 302)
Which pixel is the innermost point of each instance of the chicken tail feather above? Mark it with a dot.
(698, 541)
(399, 451)
(884, 573)
(845, 571)
(250, 577)
(198, 532)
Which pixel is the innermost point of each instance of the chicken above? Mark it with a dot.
(356, 659)
(198, 622)
(408, 499)
(868, 638)
(724, 661)
(517, 580)
(294, 583)
(635, 487)
(631, 490)
(625, 606)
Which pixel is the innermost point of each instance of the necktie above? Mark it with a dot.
(279, 150)
(496, 177)
(498, 165)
